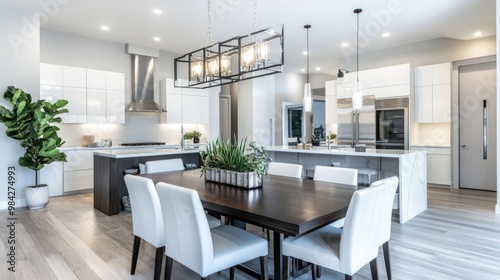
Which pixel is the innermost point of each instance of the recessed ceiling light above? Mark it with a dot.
(386, 34)
(304, 52)
(478, 34)
(318, 68)
(345, 44)
(157, 12)
(303, 70)
(104, 28)
(156, 39)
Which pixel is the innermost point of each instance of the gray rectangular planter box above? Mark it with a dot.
(245, 180)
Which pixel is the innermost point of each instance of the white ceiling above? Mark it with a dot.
(182, 26)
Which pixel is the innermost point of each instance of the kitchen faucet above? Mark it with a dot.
(182, 138)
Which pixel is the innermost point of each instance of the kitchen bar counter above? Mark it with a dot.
(109, 186)
(118, 147)
(409, 166)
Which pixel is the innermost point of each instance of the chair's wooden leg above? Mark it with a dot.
(387, 259)
(348, 277)
(263, 268)
(373, 268)
(313, 271)
(135, 253)
(286, 272)
(158, 261)
(168, 268)
(231, 272)
(318, 271)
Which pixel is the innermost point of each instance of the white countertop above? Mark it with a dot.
(344, 151)
(118, 147)
(128, 153)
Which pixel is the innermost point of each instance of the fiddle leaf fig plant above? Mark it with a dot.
(30, 122)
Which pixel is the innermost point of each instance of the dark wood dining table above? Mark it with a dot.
(287, 206)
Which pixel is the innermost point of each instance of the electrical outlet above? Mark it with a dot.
(335, 164)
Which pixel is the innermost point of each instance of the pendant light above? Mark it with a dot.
(357, 97)
(307, 86)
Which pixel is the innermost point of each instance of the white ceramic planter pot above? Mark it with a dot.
(37, 197)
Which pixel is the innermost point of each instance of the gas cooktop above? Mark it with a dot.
(143, 144)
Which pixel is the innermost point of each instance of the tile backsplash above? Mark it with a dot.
(138, 127)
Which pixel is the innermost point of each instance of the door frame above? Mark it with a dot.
(455, 116)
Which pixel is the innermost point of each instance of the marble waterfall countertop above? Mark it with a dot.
(409, 166)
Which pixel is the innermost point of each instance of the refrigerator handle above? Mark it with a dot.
(353, 122)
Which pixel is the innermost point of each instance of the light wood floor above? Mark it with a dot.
(458, 237)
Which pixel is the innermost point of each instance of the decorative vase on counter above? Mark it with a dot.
(245, 180)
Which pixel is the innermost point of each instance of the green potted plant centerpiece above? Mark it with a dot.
(30, 122)
(234, 163)
(195, 135)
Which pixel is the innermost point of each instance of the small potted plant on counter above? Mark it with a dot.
(195, 135)
(30, 123)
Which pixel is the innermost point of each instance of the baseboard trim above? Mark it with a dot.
(19, 203)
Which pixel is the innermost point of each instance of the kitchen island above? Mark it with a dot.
(109, 165)
(409, 166)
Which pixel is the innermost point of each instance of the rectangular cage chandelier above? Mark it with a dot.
(257, 54)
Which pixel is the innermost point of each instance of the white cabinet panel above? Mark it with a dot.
(77, 107)
(441, 103)
(441, 73)
(79, 160)
(174, 108)
(423, 104)
(388, 91)
(115, 81)
(52, 175)
(385, 76)
(115, 106)
(438, 169)
(74, 77)
(78, 180)
(190, 109)
(51, 93)
(96, 79)
(331, 109)
(51, 74)
(423, 76)
(96, 106)
(203, 109)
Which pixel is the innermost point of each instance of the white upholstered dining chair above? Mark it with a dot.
(147, 219)
(191, 242)
(285, 169)
(347, 250)
(164, 165)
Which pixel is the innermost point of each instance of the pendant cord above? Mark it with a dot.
(209, 26)
(307, 50)
(357, 51)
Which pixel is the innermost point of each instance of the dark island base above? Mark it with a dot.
(109, 185)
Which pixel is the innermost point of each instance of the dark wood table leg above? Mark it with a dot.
(278, 255)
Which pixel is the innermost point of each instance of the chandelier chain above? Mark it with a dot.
(254, 15)
(209, 26)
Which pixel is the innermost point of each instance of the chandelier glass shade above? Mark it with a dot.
(240, 58)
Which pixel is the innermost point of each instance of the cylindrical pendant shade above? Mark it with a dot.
(307, 97)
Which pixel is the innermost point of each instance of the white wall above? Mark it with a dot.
(498, 108)
(20, 58)
(289, 87)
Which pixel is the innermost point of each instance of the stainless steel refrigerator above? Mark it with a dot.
(356, 126)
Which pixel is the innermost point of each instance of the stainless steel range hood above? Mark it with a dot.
(143, 85)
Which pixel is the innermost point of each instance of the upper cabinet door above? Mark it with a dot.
(423, 76)
(441, 73)
(74, 77)
(96, 106)
(115, 106)
(77, 105)
(96, 79)
(115, 81)
(51, 74)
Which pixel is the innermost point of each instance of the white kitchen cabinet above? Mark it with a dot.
(96, 79)
(331, 102)
(51, 74)
(115, 81)
(188, 106)
(115, 106)
(52, 175)
(51, 93)
(78, 170)
(433, 93)
(74, 77)
(438, 164)
(77, 105)
(96, 106)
